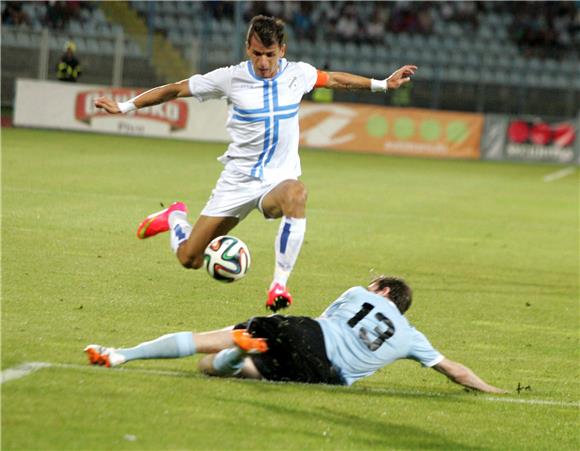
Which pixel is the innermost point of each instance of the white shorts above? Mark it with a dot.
(236, 194)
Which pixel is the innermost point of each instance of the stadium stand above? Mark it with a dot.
(82, 22)
(482, 56)
(504, 57)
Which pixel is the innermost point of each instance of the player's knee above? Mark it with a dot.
(295, 197)
(205, 365)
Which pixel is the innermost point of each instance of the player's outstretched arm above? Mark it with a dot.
(344, 80)
(154, 96)
(464, 376)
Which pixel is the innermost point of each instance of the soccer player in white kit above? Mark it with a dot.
(359, 333)
(261, 164)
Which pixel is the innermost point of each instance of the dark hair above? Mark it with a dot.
(269, 30)
(401, 293)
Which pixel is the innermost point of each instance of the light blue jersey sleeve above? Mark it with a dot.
(363, 332)
(422, 351)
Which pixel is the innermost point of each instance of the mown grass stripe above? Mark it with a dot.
(27, 368)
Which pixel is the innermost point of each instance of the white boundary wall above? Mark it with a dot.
(70, 106)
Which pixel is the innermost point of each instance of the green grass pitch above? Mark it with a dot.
(490, 249)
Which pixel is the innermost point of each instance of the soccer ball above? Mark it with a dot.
(227, 258)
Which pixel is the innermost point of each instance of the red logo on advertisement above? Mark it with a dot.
(541, 133)
(173, 112)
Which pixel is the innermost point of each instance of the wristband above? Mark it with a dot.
(378, 85)
(127, 106)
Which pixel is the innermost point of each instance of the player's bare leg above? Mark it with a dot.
(190, 251)
(233, 361)
(187, 242)
(287, 200)
(247, 369)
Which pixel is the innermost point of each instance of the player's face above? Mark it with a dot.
(265, 59)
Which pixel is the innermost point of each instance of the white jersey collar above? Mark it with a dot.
(282, 66)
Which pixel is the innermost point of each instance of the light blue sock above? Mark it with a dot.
(170, 346)
(229, 362)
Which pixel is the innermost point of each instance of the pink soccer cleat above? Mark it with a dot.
(158, 222)
(278, 298)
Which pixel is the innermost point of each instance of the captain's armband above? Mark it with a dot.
(322, 78)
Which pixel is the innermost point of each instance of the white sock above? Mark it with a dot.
(229, 362)
(180, 228)
(287, 246)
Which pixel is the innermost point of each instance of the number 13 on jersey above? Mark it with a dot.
(382, 335)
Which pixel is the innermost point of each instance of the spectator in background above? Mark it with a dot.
(253, 9)
(220, 10)
(55, 17)
(404, 18)
(447, 11)
(329, 11)
(72, 10)
(347, 27)
(13, 14)
(544, 29)
(467, 13)
(69, 67)
(290, 9)
(275, 9)
(302, 22)
(425, 18)
(375, 26)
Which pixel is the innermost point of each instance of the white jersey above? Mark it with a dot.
(262, 115)
(363, 332)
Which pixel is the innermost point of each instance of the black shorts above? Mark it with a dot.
(296, 351)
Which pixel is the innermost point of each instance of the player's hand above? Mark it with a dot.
(401, 76)
(109, 105)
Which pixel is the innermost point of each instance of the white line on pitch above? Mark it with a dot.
(25, 369)
(22, 370)
(559, 174)
(30, 367)
(548, 402)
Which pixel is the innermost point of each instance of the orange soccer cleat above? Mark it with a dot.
(100, 355)
(247, 343)
(158, 222)
(278, 298)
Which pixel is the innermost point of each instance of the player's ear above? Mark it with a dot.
(385, 292)
(282, 50)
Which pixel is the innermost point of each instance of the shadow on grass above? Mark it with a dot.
(312, 413)
(341, 428)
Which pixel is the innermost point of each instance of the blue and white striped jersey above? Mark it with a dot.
(363, 332)
(262, 115)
